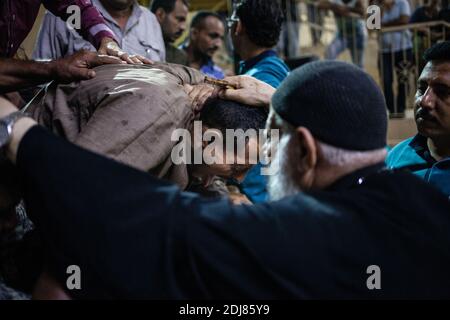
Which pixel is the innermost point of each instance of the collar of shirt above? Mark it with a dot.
(246, 65)
(420, 147)
(132, 21)
(356, 178)
(211, 70)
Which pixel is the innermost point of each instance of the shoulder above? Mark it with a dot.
(395, 157)
(147, 14)
(404, 4)
(271, 70)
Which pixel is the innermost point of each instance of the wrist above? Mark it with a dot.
(20, 128)
(53, 69)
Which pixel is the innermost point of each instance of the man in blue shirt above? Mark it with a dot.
(255, 28)
(206, 37)
(428, 153)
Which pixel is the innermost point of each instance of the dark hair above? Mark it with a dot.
(440, 51)
(262, 20)
(225, 114)
(199, 18)
(167, 5)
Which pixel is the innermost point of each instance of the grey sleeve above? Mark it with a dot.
(56, 40)
(47, 45)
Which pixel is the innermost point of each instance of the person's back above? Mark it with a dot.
(127, 112)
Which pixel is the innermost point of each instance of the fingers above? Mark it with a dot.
(122, 55)
(202, 98)
(235, 81)
(104, 59)
(143, 60)
(199, 94)
(234, 95)
(79, 74)
(188, 88)
(135, 60)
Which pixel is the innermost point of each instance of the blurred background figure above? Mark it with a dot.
(422, 38)
(137, 30)
(206, 37)
(172, 16)
(396, 54)
(289, 44)
(444, 14)
(315, 18)
(350, 29)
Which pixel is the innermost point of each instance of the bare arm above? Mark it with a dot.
(402, 20)
(16, 74)
(342, 10)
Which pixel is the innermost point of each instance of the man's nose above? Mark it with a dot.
(218, 42)
(428, 99)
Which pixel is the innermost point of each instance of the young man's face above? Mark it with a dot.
(432, 106)
(173, 24)
(208, 38)
(241, 161)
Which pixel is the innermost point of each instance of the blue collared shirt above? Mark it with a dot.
(142, 35)
(270, 69)
(267, 67)
(413, 154)
(212, 70)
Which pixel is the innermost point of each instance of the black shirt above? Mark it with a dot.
(134, 236)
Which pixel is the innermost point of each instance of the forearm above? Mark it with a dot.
(346, 11)
(93, 26)
(16, 74)
(397, 22)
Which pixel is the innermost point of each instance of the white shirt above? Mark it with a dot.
(142, 35)
(400, 40)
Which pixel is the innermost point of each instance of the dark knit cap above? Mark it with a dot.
(338, 102)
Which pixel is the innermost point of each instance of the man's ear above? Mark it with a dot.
(160, 15)
(239, 28)
(308, 157)
(193, 35)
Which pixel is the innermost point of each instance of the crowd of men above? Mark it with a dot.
(88, 175)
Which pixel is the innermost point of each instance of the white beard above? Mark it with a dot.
(282, 183)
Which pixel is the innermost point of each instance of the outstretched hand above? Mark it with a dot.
(79, 66)
(111, 48)
(248, 91)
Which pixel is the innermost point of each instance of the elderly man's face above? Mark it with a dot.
(432, 106)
